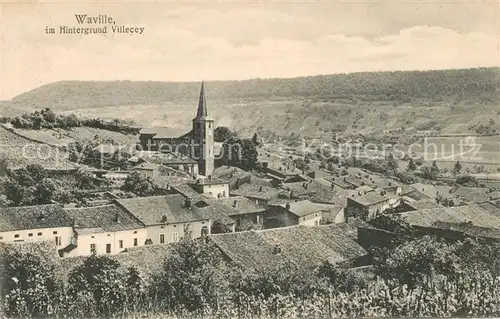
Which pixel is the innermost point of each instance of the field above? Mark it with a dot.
(19, 151)
(60, 137)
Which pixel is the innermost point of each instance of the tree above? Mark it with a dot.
(194, 277)
(139, 184)
(223, 133)
(241, 153)
(103, 286)
(457, 167)
(467, 180)
(255, 140)
(29, 283)
(411, 165)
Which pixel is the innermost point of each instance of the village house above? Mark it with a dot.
(367, 206)
(211, 186)
(106, 229)
(303, 212)
(247, 215)
(36, 224)
(260, 194)
(168, 218)
(301, 246)
(149, 169)
(477, 220)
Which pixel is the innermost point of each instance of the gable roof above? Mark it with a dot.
(155, 210)
(106, 218)
(370, 198)
(423, 204)
(257, 191)
(482, 215)
(33, 217)
(306, 207)
(300, 245)
(241, 205)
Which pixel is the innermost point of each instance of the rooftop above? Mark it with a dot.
(168, 209)
(106, 218)
(300, 245)
(241, 205)
(258, 191)
(33, 217)
(369, 199)
(482, 215)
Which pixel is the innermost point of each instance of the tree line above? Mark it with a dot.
(47, 119)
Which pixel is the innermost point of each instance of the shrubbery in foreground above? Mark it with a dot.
(195, 280)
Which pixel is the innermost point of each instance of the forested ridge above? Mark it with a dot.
(478, 85)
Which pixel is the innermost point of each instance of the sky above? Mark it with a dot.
(190, 41)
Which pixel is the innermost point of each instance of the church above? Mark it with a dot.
(197, 144)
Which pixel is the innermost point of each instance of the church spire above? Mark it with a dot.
(202, 104)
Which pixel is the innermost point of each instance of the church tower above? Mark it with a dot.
(203, 137)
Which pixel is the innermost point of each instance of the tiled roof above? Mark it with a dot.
(241, 205)
(108, 218)
(258, 191)
(306, 207)
(370, 198)
(482, 215)
(238, 176)
(33, 217)
(469, 229)
(300, 245)
(186, 191)
(166, 209)
(423, 204)
(146, 166)
(211, 181)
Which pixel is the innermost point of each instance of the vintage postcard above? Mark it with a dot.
(249, 159)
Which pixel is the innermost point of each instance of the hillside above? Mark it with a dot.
(479, 85)
(18, 151)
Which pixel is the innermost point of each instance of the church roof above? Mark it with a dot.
(202, 105)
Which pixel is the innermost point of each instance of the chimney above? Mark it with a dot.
(168, 187)
(332, 186)
(164, 219)
(235, 203)
(287, 206)
(187, 202)
(260, 189)
(210, 177)
(290, 194)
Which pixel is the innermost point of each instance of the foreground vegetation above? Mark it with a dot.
(416, 278)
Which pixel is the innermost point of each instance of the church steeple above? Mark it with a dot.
(202, 103)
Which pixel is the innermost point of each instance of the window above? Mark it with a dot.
(209, 124)
(109, 235)
(92, 236)
(58, 240)
(16, 236)
(54, 232)
(162, 239)
(39, 234)
(175, 237)
(120, 243)
(108, 248)
(1, 237)
(135, 241)
(92, 248)
(135, 232)
(30, 235)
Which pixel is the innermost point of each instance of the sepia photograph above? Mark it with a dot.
(249, 159)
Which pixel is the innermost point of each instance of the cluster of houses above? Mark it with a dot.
(256, 221)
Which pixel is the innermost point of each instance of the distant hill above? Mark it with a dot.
(478, 85)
